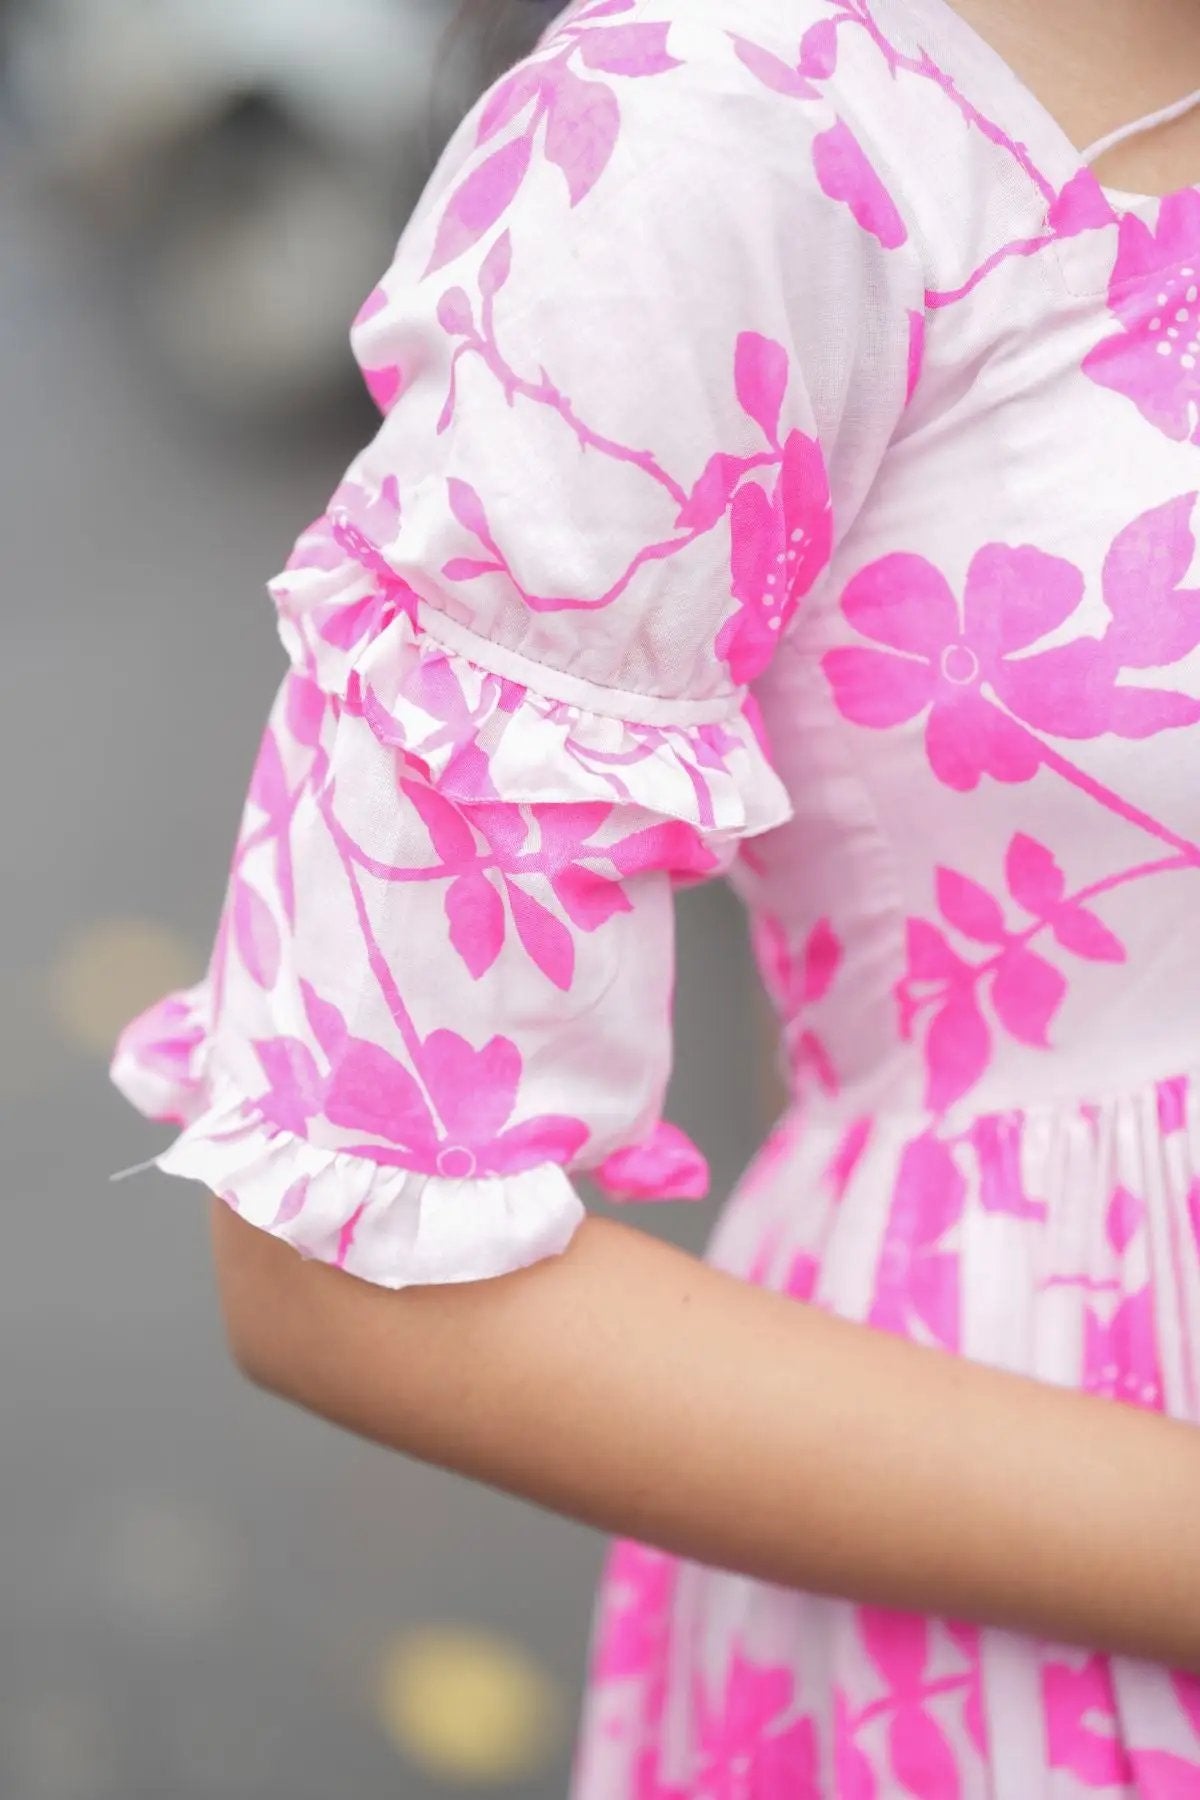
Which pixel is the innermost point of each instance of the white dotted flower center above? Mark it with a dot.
(782, 559)
(1176, 324)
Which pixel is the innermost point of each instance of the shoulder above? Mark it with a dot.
(777, 100)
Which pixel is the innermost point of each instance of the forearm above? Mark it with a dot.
(632, 1386)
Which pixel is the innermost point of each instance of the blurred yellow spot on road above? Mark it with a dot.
(109, 970)
(469, 1706)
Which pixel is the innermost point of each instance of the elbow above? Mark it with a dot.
(256, 1287)
(250, 1354)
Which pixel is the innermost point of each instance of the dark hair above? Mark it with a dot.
(503, 29)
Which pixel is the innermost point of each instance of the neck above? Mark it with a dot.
(1106, 61)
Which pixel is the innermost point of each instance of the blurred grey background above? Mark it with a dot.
(203, 1593)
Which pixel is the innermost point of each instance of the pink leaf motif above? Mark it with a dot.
(589, 899)
(602, 9)
(1080, 931)
(710, 497)
(930, 957)
(256, 935)
(268, 783)
(1081, 1722)
(504, 826)
(970, 907)
(368, 1090)
(810, 1054)
(551, 1137)
(1161, 1775)
(451, 836)
(844, 173)
(466, 568)
(547, 941)
(853, 1776)
(674, 846)
(581, 130)
(771, 70)
(898, 1645)
(664, 1166)
(921, 1755)
(818, 50)
(325, 1021)
(1125, 1215)
(927, 1197)
(1187, 1692)
(934, 1289)
(1034, 878)
(628, 50)
(760, 375)
(467, 508)
(296, 1088)
(475, 913)
(1144, 712)
(821, 961)
(1145, 564)
(454, 313)
(1080, 205)
(383, 385)
(504, 101)
(973, 1715)
(958, 1049)
(1026, 993)
(304, 709)
(292, 1203)
(479, 200)
(375, 302)
(495, 267)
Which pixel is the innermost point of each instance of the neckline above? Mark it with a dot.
(1064, 159)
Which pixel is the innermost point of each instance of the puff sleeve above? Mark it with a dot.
(627, 342)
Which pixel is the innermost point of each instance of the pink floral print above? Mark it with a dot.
(1154, 356)
(982, 696)
(762, 488)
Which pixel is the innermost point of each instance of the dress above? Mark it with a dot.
(787, 473)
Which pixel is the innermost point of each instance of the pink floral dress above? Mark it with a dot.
(788, 471)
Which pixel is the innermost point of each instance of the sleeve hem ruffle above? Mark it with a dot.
(444, 697)
(391, 1226)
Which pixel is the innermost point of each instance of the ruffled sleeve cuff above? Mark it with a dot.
(392, 1226)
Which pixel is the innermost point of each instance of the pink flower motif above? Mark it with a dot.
(638, 1585)
(1025, 989)
(1082, 1725)
(981, 697)
(795, 982)
(450, 1121)
(743, 1758)
(915, 1278)
(780, 543)
(854, 1779)
(1154, 290)
(1121, 1354)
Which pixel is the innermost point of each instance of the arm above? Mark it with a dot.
(631, 1386)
